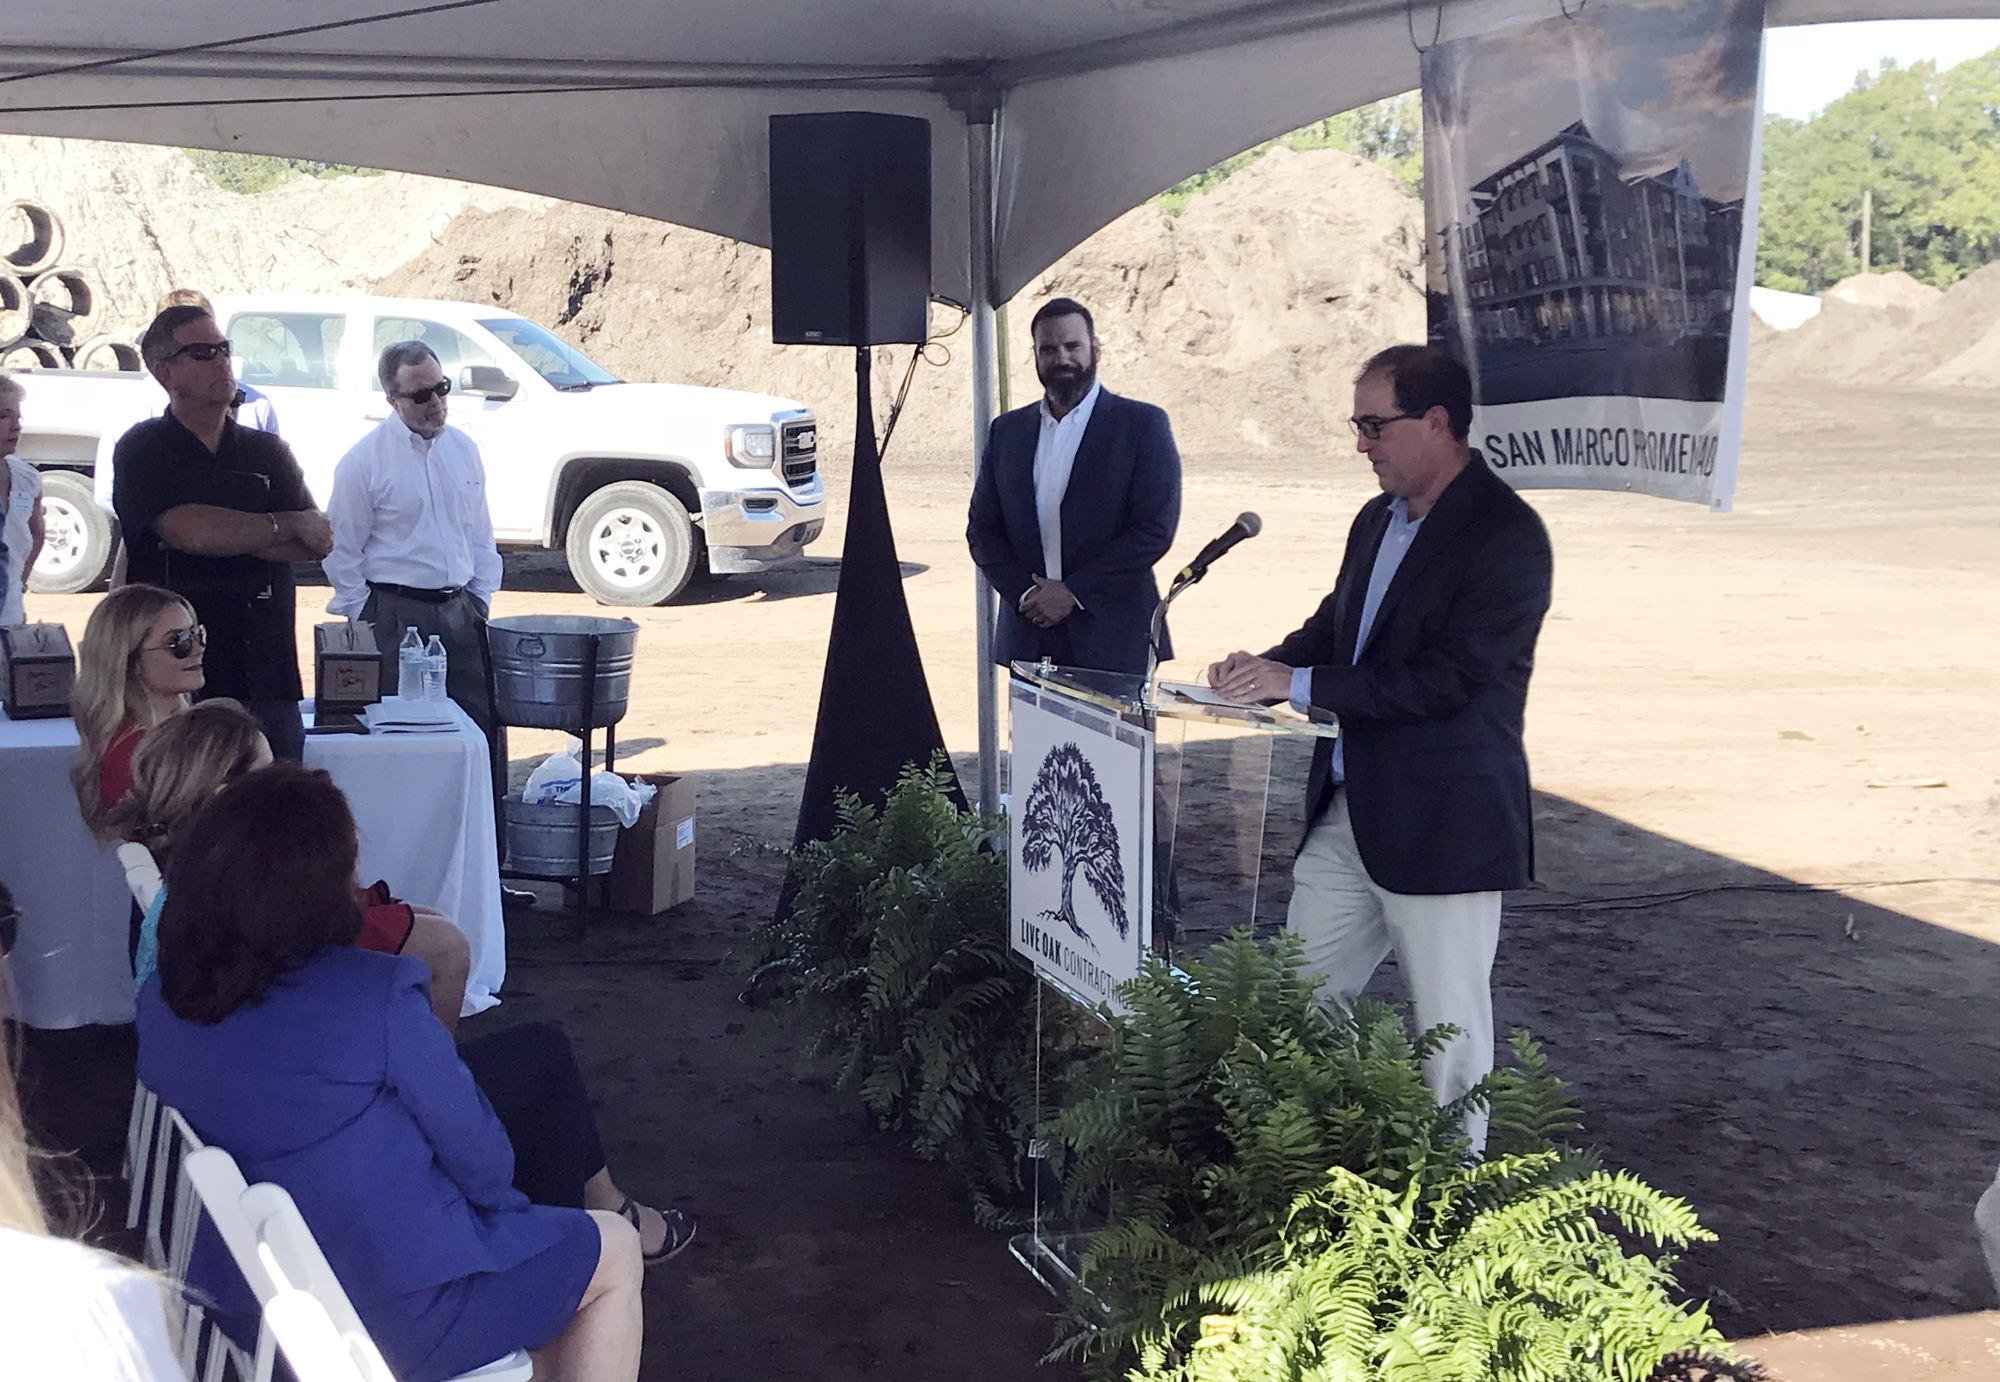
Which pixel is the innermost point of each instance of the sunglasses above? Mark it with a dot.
(202, 350)
(1371, 427)
(437, 390)
(182, 643)
(10, 927)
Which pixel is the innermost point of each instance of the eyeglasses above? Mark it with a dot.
(10, 927)
(437, 390)
(182, 642)
(1371, 427)
(201, 350)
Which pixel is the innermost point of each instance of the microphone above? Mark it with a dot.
(1246, 525)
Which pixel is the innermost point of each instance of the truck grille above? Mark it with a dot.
(799, 449)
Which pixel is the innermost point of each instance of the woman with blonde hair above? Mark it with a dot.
(67, 1310)
(139, 663)
(179, 769)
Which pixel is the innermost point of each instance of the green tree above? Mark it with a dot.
(1925, 144)
(248, 173)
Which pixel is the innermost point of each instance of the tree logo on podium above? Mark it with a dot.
(1067, 815)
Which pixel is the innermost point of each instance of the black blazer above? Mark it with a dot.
(1436, 775)
(1118, 518)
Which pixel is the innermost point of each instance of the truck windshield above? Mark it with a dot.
(562, 364)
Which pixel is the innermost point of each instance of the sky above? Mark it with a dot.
(1807, 65)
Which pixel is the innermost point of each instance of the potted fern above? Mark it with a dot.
(1287, 1200)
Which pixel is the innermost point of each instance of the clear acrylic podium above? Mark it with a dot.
(1136, 827)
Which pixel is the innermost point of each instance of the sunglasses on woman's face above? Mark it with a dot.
(181, 643)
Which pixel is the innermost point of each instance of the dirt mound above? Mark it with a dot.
(1245, 316)
(1881, 332)
(1892, 289)
(142, 219)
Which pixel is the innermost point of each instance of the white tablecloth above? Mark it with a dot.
(70, 966)
(423, 806)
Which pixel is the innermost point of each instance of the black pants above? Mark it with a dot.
(460, 624)
(528, 1073)
(282, 726)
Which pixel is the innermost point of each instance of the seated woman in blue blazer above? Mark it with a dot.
(320, 1067)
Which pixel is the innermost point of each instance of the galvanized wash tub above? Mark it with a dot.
(538, 669)
(541, 839)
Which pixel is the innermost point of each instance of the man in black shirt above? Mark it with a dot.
(217, 513)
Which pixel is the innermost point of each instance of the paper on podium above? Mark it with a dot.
(1204, 695)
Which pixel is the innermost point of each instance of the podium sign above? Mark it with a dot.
(1080, 842)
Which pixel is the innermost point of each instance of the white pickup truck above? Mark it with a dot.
(640, 484)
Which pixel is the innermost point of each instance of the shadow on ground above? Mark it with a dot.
(547, 573)
(1818, 1076)
(1826, 1103)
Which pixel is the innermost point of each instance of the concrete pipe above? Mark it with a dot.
(32, 355)
(17, 310)
(35, 234)
(107, 353)
(68, 306)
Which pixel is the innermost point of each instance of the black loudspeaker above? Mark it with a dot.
(850, 229)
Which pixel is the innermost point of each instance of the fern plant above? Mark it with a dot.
(1494, 1272)
(1231, 1095)
(894, 956)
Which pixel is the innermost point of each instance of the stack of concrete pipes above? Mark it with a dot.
(49, 311)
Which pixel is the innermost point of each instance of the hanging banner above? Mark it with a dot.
(1590, 198)
(1079, 843)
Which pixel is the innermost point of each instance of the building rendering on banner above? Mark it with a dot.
(1559, 250)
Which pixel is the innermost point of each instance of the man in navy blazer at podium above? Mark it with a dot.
(1078, 495)
(1418, 815)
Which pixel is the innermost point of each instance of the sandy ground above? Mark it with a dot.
(1725, 708)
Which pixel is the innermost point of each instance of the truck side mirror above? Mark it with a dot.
(489, 380)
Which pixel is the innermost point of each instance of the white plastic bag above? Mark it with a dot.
(554, 775)
(558, 778)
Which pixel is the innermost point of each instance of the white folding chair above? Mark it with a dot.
(142, 873)
(157, 1143)
(306, 1311)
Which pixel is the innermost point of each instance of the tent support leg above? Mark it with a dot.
(979, 161)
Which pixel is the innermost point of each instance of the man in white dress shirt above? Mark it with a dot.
(1077, 496)
(413, 541)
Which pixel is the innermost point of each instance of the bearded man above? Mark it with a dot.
(1078, 495)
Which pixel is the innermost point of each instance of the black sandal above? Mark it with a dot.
(680, 1230)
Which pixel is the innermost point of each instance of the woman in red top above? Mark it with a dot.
(140, 661)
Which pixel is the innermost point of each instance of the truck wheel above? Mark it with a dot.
(631, 543)
(78, 548)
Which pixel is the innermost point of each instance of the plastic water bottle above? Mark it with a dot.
(410, 665)
(434, 669)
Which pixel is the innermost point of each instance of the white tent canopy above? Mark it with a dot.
(658, 107)
(1049, 117)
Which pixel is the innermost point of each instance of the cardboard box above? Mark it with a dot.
(39, 670)
(653, 868)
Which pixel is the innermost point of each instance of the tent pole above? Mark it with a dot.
(979, 162)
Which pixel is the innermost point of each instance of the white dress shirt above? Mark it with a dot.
(1055, 456)
(410, 511)
(24, 487)
(1396, 540)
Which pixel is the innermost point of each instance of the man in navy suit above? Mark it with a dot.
(1418, 815)
(1077, 496)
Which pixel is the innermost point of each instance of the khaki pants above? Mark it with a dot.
(1444, 945)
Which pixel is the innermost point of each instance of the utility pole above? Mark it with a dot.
(1867, 227)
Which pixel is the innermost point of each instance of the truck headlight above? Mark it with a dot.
(752, 446)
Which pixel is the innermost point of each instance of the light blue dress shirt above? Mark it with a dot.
(1396, 540)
